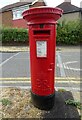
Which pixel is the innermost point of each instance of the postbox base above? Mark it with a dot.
(43, 102)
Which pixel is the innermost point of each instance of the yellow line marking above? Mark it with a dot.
(28, 78)
(16, 79)
(75, 82)
(15, 82)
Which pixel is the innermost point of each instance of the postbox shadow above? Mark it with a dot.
(60, 110)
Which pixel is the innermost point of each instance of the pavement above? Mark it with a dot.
(26, 48)
(13, 48)
(60, 110)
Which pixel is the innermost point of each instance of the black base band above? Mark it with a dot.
(43, 102)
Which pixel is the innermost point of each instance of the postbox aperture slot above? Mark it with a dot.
(41, 32)
(41, 48)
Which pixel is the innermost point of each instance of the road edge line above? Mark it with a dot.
(28, 78)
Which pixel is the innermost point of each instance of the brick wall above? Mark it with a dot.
(19, 23)
(6, 18)
(0, 19)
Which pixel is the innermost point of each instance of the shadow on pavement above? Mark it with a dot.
(61, 111)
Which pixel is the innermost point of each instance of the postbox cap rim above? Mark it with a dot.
(42, 15)
(42, 9)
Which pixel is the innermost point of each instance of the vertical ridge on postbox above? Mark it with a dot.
(42, 39)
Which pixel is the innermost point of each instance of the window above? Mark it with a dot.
(17, 12)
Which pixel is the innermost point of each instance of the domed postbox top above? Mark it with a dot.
(39, 15)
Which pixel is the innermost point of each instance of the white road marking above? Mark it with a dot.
(65, 65)
(8, 59)
(70, 68)
(62, 72)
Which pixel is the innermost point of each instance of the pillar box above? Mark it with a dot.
(41, 23)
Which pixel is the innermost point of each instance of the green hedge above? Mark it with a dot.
(10, 35)
(67, 34)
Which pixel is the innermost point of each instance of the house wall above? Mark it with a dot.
(6, 18)
(19, 23)
(0, 20)
(70, 17)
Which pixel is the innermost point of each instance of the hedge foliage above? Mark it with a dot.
(10, 35)
(67, 34)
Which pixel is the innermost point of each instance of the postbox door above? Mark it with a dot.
(45, 52)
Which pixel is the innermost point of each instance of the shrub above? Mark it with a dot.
(69, 33)
(10, 35)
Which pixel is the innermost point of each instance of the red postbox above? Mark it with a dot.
(42, 34)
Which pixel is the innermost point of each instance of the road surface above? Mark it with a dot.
(17, 64)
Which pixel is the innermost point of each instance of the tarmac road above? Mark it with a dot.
(17, 64)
